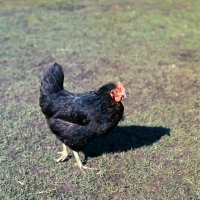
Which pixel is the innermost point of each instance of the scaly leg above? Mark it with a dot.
(79, 163)
(64, 154)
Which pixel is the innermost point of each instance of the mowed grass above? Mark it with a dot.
(153, 47)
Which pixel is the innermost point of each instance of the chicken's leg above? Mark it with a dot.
(64, 154)
(79, 163)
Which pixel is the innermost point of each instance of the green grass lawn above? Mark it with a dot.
(153, 47)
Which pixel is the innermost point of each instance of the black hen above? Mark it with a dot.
(76, 119)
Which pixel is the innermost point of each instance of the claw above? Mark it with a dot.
(79, 163)
(63, 153)
(83, 168)
(63, 156)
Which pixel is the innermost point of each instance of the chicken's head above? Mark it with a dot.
(118, 93)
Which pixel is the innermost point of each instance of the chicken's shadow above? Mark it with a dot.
(124, 138)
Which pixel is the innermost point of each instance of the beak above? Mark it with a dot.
(124, 96)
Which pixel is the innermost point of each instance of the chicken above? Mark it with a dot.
(76, 119)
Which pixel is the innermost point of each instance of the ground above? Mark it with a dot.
(153, 47)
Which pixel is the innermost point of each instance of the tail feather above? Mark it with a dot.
(51, 84)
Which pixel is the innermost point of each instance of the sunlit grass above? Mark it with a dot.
(152, 47)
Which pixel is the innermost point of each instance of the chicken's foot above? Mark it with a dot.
(79, 163)
(64, 154)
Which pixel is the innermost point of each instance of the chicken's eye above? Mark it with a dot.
(112, 92)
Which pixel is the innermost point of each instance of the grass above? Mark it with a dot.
(153, 48)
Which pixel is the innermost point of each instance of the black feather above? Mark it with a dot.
(77, 118)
